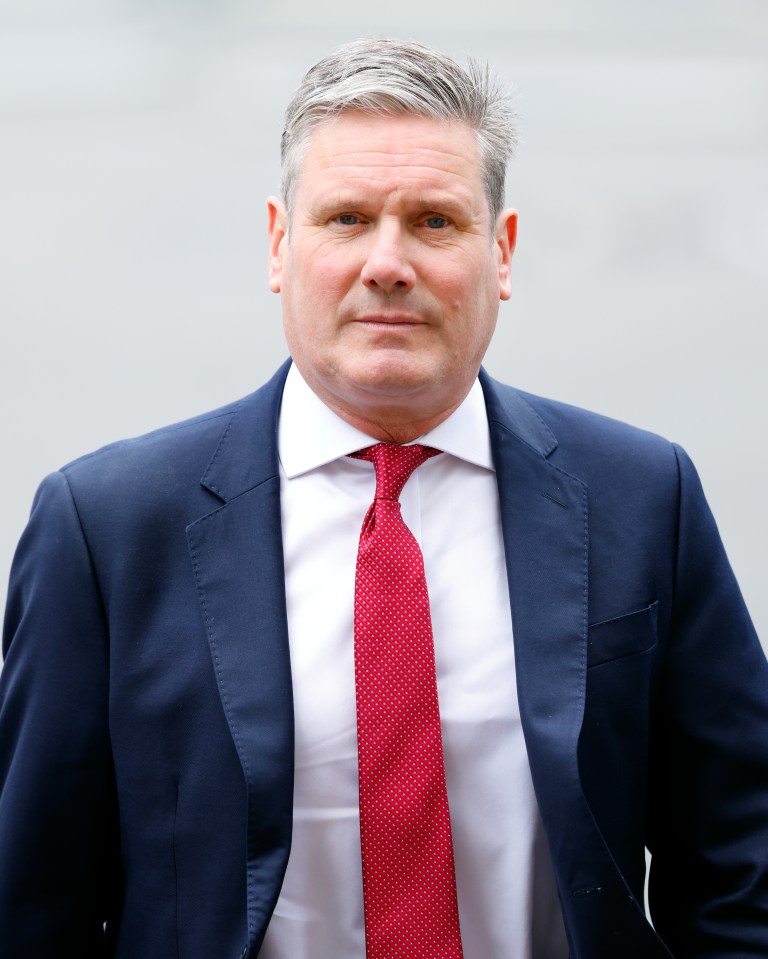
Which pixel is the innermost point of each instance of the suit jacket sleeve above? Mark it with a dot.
(708, 809)
(57, 799)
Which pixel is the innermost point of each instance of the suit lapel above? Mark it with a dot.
(546, 536)
(545, 528)
(544, 524)
(237, 560)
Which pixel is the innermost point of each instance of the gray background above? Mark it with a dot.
(139, 139)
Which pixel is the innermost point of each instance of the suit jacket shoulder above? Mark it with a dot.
(181, 454)
(578, 440)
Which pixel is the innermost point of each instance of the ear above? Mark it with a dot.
(277, 230)
(505, 238)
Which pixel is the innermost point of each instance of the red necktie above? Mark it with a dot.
(409, 885)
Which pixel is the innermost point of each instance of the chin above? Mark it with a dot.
(390, 379)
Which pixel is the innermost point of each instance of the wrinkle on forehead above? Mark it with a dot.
(394, 150)
(396, 157)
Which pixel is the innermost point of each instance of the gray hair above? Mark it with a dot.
(393, 77)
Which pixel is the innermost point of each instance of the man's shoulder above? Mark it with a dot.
(575, 425)
(178, 451)
(578, 440)
(171, 440)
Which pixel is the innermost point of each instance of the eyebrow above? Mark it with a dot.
(435, 202)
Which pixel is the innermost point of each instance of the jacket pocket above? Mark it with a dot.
(625, 635)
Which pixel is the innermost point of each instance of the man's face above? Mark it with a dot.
(391, 272)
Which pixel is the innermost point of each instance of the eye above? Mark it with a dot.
(436, 222)
(348, 219)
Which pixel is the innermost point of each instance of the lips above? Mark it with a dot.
(390, 319)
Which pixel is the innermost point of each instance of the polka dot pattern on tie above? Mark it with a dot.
(409, 886)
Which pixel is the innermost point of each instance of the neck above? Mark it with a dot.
(393, 430)
(393, 424)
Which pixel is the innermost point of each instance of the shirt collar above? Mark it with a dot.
(311, 435)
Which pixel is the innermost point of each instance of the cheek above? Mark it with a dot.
(475, 294)
(464, 292)
(461, 279)
(452, 287)
(326, 281)
(309, 290)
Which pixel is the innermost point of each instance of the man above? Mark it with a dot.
(191, 616)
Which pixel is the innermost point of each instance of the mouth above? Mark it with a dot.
(389, 320)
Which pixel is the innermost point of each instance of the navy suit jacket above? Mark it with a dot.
(146, 728)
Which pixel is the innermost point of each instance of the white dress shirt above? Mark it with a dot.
(508, 905)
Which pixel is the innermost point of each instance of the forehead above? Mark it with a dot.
(392, 153)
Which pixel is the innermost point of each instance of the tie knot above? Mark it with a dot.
(393, 465)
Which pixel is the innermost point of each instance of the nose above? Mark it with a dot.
(387, 267)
